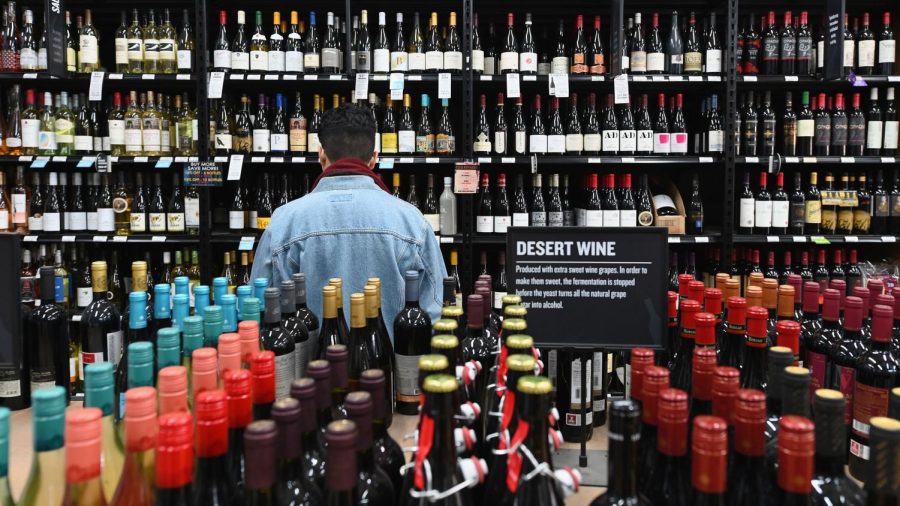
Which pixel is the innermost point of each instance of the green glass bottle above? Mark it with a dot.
(45, 480)
(99, 392)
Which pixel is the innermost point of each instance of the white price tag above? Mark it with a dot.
(120, 238)
(60, 158)
(257, 159)
(408, 159)
(851, 238)
(676, 78)
(158, 238)
(595, 160)
(95, 92)
(771, 238)
(749, 79)
(598, 78)
(701, 239)
(791, 79)
(888, 238)
(529, 78)
(487, 78)
(512, 85)
(791, 159)
(893, 79)
(706, 159)
(715, 79)
(76, 317)
(414, 77)
(310, 77)
(620, 88)
(799, 238)
(627, 159)
(887, 159)
(289, 77)
(810, 159)
(30, 75)
(674, 240)
(432, 159)
(99, 238)
(639, 78)
(396, 81)
(752, 159)
(848, 159)
(216, 79)
(335, 77)
(507, 159)
(444, 87)
(253, 77)
(141, 159)
(298, 159)
(276, 159)
(183, 77)
(234, 167)
(68, 238)
(117, 77)
(30, 238)
(695, 78)
(361, 92)
(25, 158)
(484, 159)
(272, 77)
(149, 77)
(446, 239)
(236, 77)
(559, 85)
(220, 159)
(246, 243)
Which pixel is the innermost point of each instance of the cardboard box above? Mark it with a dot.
(675, 224)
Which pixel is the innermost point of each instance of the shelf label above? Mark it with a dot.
(484, 159)
(888, 238)
(558, 85)
(407, 159)
(335, 77)
(791, 79)
(487, 78)
(639, 78)
(791, 159)
(95, 92)
(257, 159)
(620, 88)
(62, 159)
(676, 78)
(220, 159)
(893, 79)
(361, 91)
(246, 243)
(529, 78)
(595, 160)
(120, 238)
(714, 79)
(158, 238)
(272, 77)
(512, 85)
(396, 85)
(216, 80)
(818, 239)
(706, 159)
(163, 164)
(887, 159)
(848, 159)
(749, 79)
(432, 159)
(30, 238)
(68, 238)
(598, 78)
(99, 238)
(181, 159)
(30, 75)
(289, 77)
(235, 165)
(149, 77)
(751, 159)
(141, 159)
(674, 240)
(414, 77)
(465, 178)
(26, 158)
(701, 239)
(276, 159)
(253, 77)
(695, 78)
(183, 77)
(298, 159)
(799, 238)
(236, 77)
(771, 238)
(507, 159)
(86, 162)
(386, 163)
(851, 238)
(446, 239)
(810, 159)
(627, 159)
(116, 77)
(310, 77)
(444, 85)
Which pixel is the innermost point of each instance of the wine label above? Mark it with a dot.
(780, 213)
(555, 219)
(312, 142)
(434, 60)
(151, 136)
(693, 61)
(661, 144)
(87, 49)
(114, 346)
(490, 65)
(874, 134)
(192, 212)
(293, 61)
(482, 143)
(279, 142)
(435, 221)
(645, 141)
(574, 143)
(157, 222)
(823, 132)
(399, 61)
(839, 130)
(763, 215)
(521, 142)
(30, 131)
(628, 218)
(276, 61)
(575, 392)
(866, 53)
(406, 140)
(638, 61)
(862, 220)
(843, 378)
(138, 222)
(478, 60)
(610, 141)
(259, 60)
(52, 222)
(714, 61)
(301, 358)
(804, 49)
(520, 219)
(747, 211)
(805, 128)
(797, 215)
(887, 51)
(47, 140)
(537, 143)
(416, 62)
(261, 140)
(285, 364)
(175, 222)
(407, 377)
(500, 143)
(593, 142)
(559, 65)
(627, 141)
(453, 60)
(593, 218)
(656, 62)
(528, 62)
(262, 222)
(538, 218)
(891, 130)
(556, 144)
(716, 141)
(311, 62)
(501, 223)
(236, 220)
(645, 218)
(240, 60)
(610, 218)
(849, 50)
(856, 132)
(19, 208)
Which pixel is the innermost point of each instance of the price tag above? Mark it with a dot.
(887, 159)
(627, 159)
(60, 159)
(414, 77)
(183, 77)
(598, 78)
(444, 87)
(848, 159)
(246, 243)
(446, 239)
(86, 162)
(512, 85)
(104, 162)
(695, 78)
(26, 158)
(810, 159)
(95, 92)
(220, 159)
(595, 160)
(298, 159)
(271, 77)
(149, 77)
(791, 159)
(68, 238)
(487, 78)
(701, 239)
(799, 238)
(749, 79)
(158, 238)
(559, 85)
(715, 79)
(181, 159)
(30, 75)
(639, 79)
(851, 238)
(216, 80)
(335, 77)
(676, 78)
(386, 163)
(141, 159)
(407, 159)
(117, 77)
(706, 159)
(674, 240)
(893, 79)
(379, 78)
(235, 165)
(257, 159)
(30, 238)
(432, 159)
(771, 238)
(236, 77)
(888, 238)
(289, 77)
(310, 77)
(276, 159)
(484, 159)
(396, 86)
(253, 77)
(529, 78)
(818, 239)
(507, 159)
(465, 179)
(76, 317)
(752, 159)
(120, 238)
(361, 92)
(99, 238)
(163, 164)
(620, 88)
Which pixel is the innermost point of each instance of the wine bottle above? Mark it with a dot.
(307, 316)
(884, 434)
(412, 329)
(388, 455)
(278, 339)
(100, 328)
(212, 479)
(291, 482)
(875, 375)
(528, 57)
(746, 476)
(175, 459)
(262, 368)
(47, 335)
(624, 423)
(646, 386)
(753, 360)
(44, 485)
(82, 435)
(796, 451)
(330, 332)
(341, 472)
(136, 485)
(709, 461)
(373, 483)
(305, 391)
(830, 482)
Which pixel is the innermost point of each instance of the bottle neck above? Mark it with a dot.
(623, 457)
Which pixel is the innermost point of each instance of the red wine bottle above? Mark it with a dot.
(412, 334)
(47, 337)
(388, 455)
(845, 354)
(670, 478)
(240, 414)
(338, 356)
(175, 459)
(794, 402)
(796, 451)
(294, 325)
(373, 484)
(778, 359)
(653, 381)
(293, 485)
(732, 340)
(830, 482)
(747, 480)
(681, 362)
(877, 372)
(260, 440)
(262, 369)
(341, 469)
(725, 383)
(704, 361)
(788, 335)
(213, 483)
(664, 356)
(753, 361)
(709, 460)
(881, 484)
(305, 391)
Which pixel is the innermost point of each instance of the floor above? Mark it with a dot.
(20, 449)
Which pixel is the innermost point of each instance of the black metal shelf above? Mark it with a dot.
(89, 161)
(600, 160)
(816, 160)
(384, 162)
(248, 239)
(815, 239)
(594, 78)
(813, 80)
(85, 79)
(711, 238)
(101, 238)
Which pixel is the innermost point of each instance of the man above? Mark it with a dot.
(350, 227)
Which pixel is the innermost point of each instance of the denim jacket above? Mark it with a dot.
(349, 228)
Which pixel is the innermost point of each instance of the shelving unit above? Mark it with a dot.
(719, 190)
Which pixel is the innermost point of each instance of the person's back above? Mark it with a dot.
(350, 227)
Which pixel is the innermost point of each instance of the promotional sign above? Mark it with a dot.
(56, 37)
(589, 287)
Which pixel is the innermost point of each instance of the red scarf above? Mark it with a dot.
(351, 167)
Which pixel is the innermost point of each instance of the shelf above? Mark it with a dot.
(254, 76)
(805, 160)
(82, 237)
(815, 239)
(384, 162)
(778, 79)
(585, 78)
(246, 240)
(599, 160)
(88, 161)
(84, 79)
(712, 238)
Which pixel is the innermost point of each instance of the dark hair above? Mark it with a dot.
(348, 132)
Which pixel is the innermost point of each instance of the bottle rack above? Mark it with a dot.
(465, 85)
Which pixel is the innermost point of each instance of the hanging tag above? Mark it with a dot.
(95, 93)
(512, 86)
(559, 85)
(620, 88)
(465, 178)
(234, 167)
(396, 85)
(361, 91)
(444, 85)
(246, 243)
(216, 79)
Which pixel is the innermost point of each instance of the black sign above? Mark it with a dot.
(834, 39)
(55, 12)
(590, 287)
(202, 174)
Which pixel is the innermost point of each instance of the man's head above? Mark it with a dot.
(347, 132)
